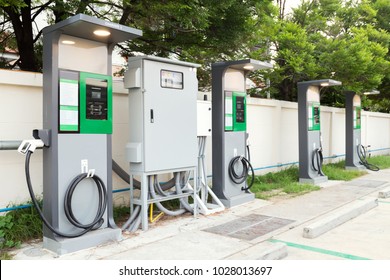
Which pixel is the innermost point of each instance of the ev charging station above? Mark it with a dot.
(229, 137)
(353, 141)
(355, 152)
(309, 123)
(77, 128)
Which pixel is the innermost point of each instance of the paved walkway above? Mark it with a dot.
(260, 230)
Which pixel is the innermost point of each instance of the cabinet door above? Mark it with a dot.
(170, 116)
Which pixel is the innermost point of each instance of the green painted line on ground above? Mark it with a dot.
(381, 201)
(319, 250)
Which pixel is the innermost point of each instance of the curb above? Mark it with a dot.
(385, 193)
(338, 217)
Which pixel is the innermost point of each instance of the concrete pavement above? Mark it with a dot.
(262, 230)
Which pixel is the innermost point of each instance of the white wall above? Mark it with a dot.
(20, 113)
(272, 126)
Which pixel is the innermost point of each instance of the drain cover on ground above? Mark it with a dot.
(365, 183)
(249, 227)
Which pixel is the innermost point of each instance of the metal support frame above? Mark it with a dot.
(205, 207)
(144, 201)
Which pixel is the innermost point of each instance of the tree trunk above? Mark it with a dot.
(285, 89)
(22, 24)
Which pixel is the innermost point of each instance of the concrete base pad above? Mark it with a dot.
(238, 199)
(62, 246)
(359, 168)
(314, 181)
(338, 217)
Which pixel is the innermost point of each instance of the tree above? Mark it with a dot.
(381, 102)
(345, 40)
(20, 20)
(200, 30)
(18, 13)
(330, 39)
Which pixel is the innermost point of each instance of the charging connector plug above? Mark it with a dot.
(30, 145)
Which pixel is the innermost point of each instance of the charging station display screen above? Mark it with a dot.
(316, 115)
(96, 102)
(171, 79)
(96, 95)
(240, 109)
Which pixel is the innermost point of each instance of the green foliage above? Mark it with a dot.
(121, 214)
(356, 60)
(201, 32)
(197, 31)
(382, 17)
(6, 224)
(295, 60)
(13, 3)
(343, 40)
(19, 226)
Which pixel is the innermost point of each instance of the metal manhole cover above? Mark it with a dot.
(366, 183)
(249, 227)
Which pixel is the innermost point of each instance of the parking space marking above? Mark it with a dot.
(319, 250)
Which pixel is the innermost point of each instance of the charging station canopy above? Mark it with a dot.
(94, 29)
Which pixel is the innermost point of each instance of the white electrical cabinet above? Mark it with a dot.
(162, 114)
(204, 118)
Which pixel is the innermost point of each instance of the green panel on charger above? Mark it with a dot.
(95, 103)
(314, 116)
(239, 111)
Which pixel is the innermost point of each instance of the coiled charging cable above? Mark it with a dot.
(242, 177)
(362, 154)
(96, 223)
(317, 161)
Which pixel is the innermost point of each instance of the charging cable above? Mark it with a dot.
(239, 178)
(362, 154)
(27, 147)
(317, 161)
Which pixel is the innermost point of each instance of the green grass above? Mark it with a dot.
(382, 162)
(278, 183)
(121, 214)
(5, 255)
(285, 182)
(16, 227)
(24, 225)
(337, 171)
